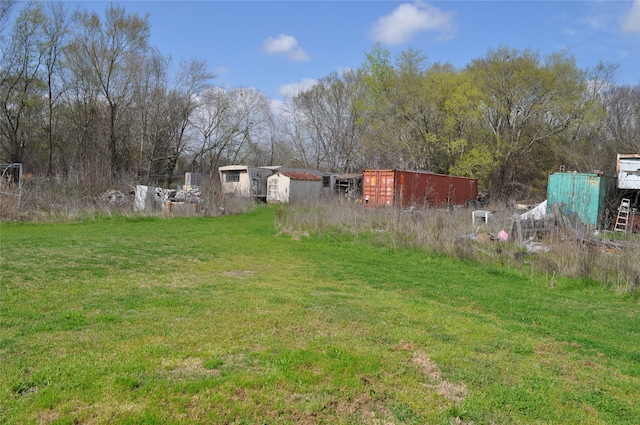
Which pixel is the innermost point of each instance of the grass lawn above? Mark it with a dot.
(223, 320)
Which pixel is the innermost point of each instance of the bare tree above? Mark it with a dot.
(587, 146)
(622, 106)
(326, 119)
(291, 123)
(103, 49)
(255, 127)
(20, 85)
(153, 115)
(229, 126)
(5, 10)
(56, 29)
(84, 155)
(192, 83)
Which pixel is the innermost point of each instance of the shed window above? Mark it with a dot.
(233, 176)
(326, 181)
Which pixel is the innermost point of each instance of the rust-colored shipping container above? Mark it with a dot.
(401, 188)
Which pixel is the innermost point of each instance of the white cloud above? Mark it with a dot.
(407, 20)
(631, 22)
(292, 89)
(221, 70)
(276, 106)
(285, 45)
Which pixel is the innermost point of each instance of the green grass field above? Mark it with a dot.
(224, 320)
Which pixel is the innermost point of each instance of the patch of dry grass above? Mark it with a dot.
(447, 231)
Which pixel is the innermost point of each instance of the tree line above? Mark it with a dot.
(85, 98)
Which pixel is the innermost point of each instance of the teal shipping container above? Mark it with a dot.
(581, 193)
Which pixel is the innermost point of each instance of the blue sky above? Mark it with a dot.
(278, 46)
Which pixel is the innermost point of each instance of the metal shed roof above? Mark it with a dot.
(348, 176)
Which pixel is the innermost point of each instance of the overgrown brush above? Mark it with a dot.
(436, 230)
(449, 232)
(9, 207)
(213, 202)
(45, 199)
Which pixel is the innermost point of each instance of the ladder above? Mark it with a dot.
(623, 216)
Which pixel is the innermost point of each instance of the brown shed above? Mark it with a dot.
(402, 188)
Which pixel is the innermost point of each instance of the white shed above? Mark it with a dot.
(242, 180)
(628, 168)
(293, 186)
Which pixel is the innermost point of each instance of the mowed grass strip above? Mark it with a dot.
(224, 320)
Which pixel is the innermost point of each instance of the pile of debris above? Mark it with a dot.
(171, 201)
(527, 230)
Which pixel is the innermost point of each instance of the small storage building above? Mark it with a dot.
(628, 171)
(242, 180)
(585, 194)
(402, 188)
(293, 186)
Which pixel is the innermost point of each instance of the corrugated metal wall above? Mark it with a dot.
(580, 193)
(404, 189)
(378, 188)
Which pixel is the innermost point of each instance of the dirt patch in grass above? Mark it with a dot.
(189, 368)
(107, 411)
(238, 273)
(557, 348)
(363, 409)
(449, 390)
(47, 417)
(427, 366)
(403, 346)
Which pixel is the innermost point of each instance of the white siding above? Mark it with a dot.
(235, 179)
(629, 173)
(244, 181)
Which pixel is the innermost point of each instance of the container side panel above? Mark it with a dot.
(421, 189)
(416, 189)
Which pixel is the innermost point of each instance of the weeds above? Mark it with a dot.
(443, 232)
(56, 200)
